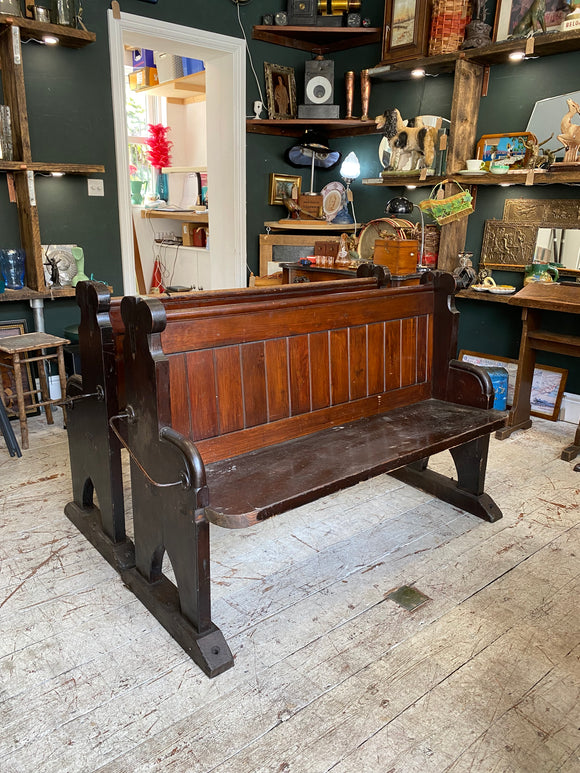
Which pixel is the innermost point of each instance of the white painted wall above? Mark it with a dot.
(225, 62)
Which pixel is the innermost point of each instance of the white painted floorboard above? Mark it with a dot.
(329, 674)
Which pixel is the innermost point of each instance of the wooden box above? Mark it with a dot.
(193, 235)
(310, 205)
(400, 255)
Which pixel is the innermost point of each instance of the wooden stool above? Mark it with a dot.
(12, 350)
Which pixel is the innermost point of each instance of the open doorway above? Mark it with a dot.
(224, 60)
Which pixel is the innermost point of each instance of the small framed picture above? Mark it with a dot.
(513, 150)
(406, 30)
(282, 186)
(519, 18)
(280, 91)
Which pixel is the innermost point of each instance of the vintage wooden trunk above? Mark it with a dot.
(400, 255)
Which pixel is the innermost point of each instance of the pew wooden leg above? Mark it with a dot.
(467, 492)
(183, 609)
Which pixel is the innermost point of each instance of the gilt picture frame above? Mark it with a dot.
(281, 187)
(405, 30)
(280, 91)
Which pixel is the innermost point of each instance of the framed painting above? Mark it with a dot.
(519, 18)
(280, 91)
(14, 328)
(509, 149)
(547, 386)
(405, 30)
(282, 186)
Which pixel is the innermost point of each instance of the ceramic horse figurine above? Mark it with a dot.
(570, 132)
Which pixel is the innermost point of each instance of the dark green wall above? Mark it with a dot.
(69, 101)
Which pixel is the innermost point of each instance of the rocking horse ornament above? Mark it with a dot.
(570, 135)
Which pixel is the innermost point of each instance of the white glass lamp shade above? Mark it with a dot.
(350, 167)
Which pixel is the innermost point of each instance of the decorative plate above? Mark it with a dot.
(375, 229)
(61, 254)
(333, 198)
(502, 289)
(470, 172)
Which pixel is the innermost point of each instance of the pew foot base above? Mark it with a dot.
(442, 487)
(208, 649)
(121, 555)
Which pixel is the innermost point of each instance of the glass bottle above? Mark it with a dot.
(63, 12)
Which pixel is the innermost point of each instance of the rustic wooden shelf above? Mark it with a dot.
(540, 177)
(318, 40)
(295, 127)
(47, 166)
(474, 295)
(36, 30)
(26, 294)
(310, 225)
(497, 53)
(185, 90)
(184, 217)
(396, 180)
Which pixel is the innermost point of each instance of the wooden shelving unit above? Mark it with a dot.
(318, 40)
(469, 68)
(12, 31)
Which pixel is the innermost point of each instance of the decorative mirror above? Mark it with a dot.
(534, 230)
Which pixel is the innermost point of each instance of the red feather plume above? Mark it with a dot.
(159, 146)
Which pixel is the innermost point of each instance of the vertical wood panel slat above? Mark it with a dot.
(254, 384)
(201, 387)
(358, 362)
(392, 354)
(299, 361)
(180, 416)
(409, 352)
(229, 388)
(319, 369)
(376, 358)
(429, 347)
(277, 379)
(339, 370)
(421, 349)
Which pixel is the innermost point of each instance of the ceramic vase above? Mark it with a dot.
(137, 187)
(162, 186)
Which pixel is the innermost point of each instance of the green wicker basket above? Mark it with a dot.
(448, 209)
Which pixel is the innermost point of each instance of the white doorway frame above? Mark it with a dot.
(225, 62)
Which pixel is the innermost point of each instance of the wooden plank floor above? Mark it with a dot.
(329, 674)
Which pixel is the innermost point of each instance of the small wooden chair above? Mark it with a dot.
(18, 351)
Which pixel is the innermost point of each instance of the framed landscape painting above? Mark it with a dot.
(406, 30)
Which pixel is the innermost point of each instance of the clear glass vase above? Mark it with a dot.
(12, 264)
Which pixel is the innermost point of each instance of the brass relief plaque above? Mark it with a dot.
(550, 212)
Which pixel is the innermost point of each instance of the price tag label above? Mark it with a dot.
(530, 177)
(530, 46)
(31, 189)
(16, 49)
(443, 142)
(11, 188)
(423, 173)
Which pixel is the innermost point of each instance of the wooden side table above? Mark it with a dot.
(534, 299)
(18, 351)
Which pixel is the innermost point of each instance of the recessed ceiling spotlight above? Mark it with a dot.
(517, 56)
(50, 40)
(411, 187)
(505, 185)
(418, 73)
